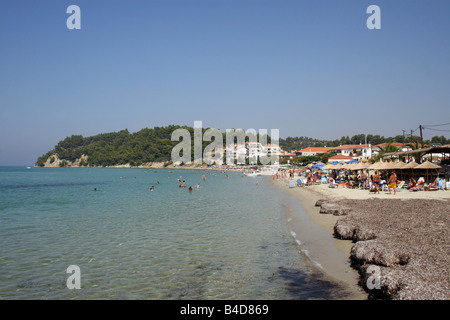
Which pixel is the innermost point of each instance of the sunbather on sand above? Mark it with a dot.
(433, 185)
(419, 184)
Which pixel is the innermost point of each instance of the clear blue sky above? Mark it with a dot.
(307, 68)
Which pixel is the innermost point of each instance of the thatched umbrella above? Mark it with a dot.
(400, 165)
(361, 166)
(428, 165)
(328, 166)
(376, 166)
(338, 166)
(410, 165)
(343, 166)
(389, 165)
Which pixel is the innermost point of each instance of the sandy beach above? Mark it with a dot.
(403, 237)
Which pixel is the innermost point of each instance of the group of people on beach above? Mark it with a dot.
(374, 183)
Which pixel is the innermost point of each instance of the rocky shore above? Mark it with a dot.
(401, 247)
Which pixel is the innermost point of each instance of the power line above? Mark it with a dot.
(436, 125)
(437, 129)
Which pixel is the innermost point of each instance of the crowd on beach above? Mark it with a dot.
(378, 180)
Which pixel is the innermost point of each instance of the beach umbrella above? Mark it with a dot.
(318, 166)
(375, 166)
(400, 165)
(427, 165)
(389, 165)
(410, 165)
(362, 166)
(340, 165)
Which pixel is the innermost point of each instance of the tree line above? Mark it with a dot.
(298, 143)
(155, 145)
(119, 148)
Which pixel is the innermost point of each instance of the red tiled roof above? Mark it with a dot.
(315, 149)
(352, 146)
(340, 156)
(395, 144)
(287, 155)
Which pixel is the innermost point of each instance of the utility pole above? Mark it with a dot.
(421, 137)
(403, 136)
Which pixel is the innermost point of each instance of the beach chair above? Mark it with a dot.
(439, 186)
(300, 183)
(343, 184)
(400, 185)
(332, 183)
(324, 180)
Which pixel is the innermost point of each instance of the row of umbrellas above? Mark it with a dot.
(380, 166)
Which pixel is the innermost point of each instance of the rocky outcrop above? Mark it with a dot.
(332, 207)
(404, 241)
(55, 161)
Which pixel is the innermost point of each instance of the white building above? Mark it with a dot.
(356, 151)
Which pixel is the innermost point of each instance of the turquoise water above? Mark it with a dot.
(226, 240)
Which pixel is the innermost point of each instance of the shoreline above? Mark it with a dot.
(331, 254)
(408, 247)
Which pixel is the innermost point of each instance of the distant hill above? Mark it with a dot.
(112, 149)
(147, 147)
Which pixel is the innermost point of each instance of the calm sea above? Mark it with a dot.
(226, 240)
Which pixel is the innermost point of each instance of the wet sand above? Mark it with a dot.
(331, 255)
(404, 236)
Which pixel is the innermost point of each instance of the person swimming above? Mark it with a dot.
(152, 188)
(190, 189)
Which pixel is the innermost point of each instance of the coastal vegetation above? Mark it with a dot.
(154, 145)
(121, 148)
(297, 143)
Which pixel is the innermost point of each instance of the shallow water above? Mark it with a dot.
(227, 240)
